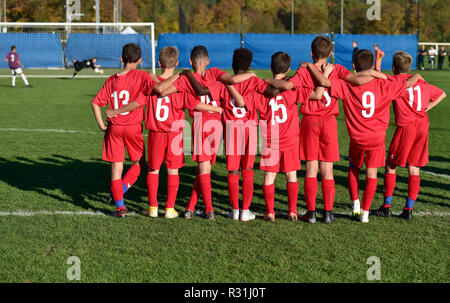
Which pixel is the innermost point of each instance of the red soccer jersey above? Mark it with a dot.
(367, 109)
(328, 105)
(279, 112)
(414, 102)
(118, 91)
(233, 113)
(211, 77)
(162, 112)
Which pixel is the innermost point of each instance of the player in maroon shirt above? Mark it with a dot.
(13, 60)
(409, 144)
(279, 126)
(367, 117)
(207, 130)
(126, 128)
(165, 121)
(318, 132)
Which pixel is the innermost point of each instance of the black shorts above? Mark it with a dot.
(78, 66)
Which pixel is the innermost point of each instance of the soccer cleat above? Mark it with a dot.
(247, 215)
(406, 214)
(151, 212)
(188, 214)
(121, 213)
(171, 213)
(329, 217)
(211, 216)
(382, 212)
(356, 208)
(270, 217)
(309, 217)
(233, 214)
(292, 217)
(364, 218)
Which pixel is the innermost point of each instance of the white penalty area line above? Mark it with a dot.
(59, 76)
(103, 214)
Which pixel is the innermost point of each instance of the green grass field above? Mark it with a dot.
(44, 171)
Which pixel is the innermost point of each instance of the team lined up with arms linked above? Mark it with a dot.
(228, 106)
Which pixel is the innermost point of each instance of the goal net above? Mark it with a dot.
(56, 45)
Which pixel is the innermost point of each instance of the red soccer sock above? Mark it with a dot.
(269, 197)
(152, 188)
(292, 192)
(233, 190)
(413, 187)
(310, 186)
(353, 183)
(194, 195)
(369, 193)
(247, 188)
(389, 184)
(132, 175)
(328, 192)
(205, 189)
(117, 192)
(173, 182)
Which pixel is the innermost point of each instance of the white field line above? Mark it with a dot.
(434, 174)
(50, 130)
(59, 76)
(197, 213)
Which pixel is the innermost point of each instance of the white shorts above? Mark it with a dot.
(16, 71)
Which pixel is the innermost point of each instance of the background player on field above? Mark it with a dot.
(280, 131)
(379, 54)
(367, 117)
(240, 136)
(319, 145)
(165, 121)
(79, 65)
(125, 129)
(13, 60)
(207, 134)
(410, 142)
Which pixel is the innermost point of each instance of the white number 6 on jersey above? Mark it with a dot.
(164, 108)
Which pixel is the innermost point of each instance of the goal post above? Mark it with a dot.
(36, 41)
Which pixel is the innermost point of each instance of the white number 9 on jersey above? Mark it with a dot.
(368, 102)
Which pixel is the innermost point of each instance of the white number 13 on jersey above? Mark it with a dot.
(124, 96)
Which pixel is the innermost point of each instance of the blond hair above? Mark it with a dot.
(402, 62)
(168, 57)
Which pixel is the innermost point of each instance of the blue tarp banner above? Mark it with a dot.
(220, 47)
(264, 46)
(35, 50)
(389, 44)
(107, 48)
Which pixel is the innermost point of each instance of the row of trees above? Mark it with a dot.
(260, 16)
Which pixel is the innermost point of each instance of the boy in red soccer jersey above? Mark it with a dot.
(367, 117)
(207, 130)
(410, 141)
(165, 121)
(279, 124)
(240, 136)
(125, 129)
(319, 145)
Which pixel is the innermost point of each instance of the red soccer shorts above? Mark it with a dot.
(207, 138)
(275, 160)
(117, 137)
(373, 158)
(319, 139)
(240, 148)
(410, 145)
(165, 146)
